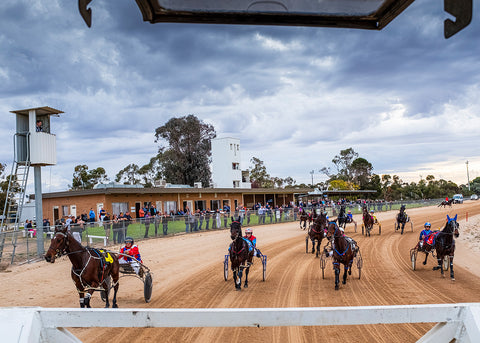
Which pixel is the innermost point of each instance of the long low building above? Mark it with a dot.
(115, 199)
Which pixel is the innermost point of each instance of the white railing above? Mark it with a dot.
(455, 321)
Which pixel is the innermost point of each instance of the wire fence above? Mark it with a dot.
(20, 246)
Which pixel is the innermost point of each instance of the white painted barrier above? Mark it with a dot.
(105, 239)
(23, 324)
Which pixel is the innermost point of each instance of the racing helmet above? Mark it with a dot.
(349, 211)
(248, 230)
(128, 240)
(372, 211)
(427, 224)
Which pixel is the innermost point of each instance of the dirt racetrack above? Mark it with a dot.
(188, 273)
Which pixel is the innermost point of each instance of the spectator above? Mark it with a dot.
(29, 227)
(207, 218)
(187, 223)
(217, 220)
(201, 219)
(225, 218)
(39, 127)
(77, 228)
(107, 225)
(116, 227)
(102, 214)
(165, 220)
(46, 225)
(157, 218)
(148, 220)
(91, 215)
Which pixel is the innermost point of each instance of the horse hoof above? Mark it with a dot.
(336, 287)
(344, 282)
(115, 306)
(453, 279)
(424, 263)
(245, 286)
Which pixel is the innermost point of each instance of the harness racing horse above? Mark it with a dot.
(342, 218)
(240, 255)
(445, 203)
(304, 218)
(401, 219)
(344, 250)
(367, 221)
(316, 232)
(445, 244)
(91, 271)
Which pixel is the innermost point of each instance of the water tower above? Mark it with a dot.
(34, 145)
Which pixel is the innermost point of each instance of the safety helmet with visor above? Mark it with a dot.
(128, 240)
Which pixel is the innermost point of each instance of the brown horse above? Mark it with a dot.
(241, 255)
(367, 221)
(91, 270)
(344, 251)
(316, 232)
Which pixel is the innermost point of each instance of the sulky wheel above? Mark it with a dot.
(147, 287)
(225, 267)
(413, 258)
(323, 264)
(264, 265)
(306, 244)
(363, 226)
(379, 229)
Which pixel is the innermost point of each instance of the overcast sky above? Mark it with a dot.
(404, 98)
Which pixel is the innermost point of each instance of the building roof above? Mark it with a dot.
(40, 111)
(111, 191)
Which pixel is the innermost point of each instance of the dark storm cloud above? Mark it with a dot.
(285, 91)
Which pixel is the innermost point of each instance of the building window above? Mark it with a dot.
(214, 205)
(235, 166)
(64, 211)
(236, 184)
(231, 146)
(170, 207)
(119, 207)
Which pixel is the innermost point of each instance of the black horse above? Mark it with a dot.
(342, 218)
(91, 269)
(317, 231)
(303, 219)
(240, 255)
(445, 244)
(446, 203)
(402, 219)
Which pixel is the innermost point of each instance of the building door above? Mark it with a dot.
(189, 204)
(55, 215)
(137, 210)
(73, 210)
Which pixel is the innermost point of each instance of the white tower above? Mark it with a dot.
(34, 145)
(226, 168)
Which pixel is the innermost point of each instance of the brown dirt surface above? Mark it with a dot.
(188, 273)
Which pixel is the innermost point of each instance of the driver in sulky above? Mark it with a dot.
(130, 249)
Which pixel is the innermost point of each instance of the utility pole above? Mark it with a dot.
(468, 176)
(312, 172)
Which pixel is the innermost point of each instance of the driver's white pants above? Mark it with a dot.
(135, 265)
